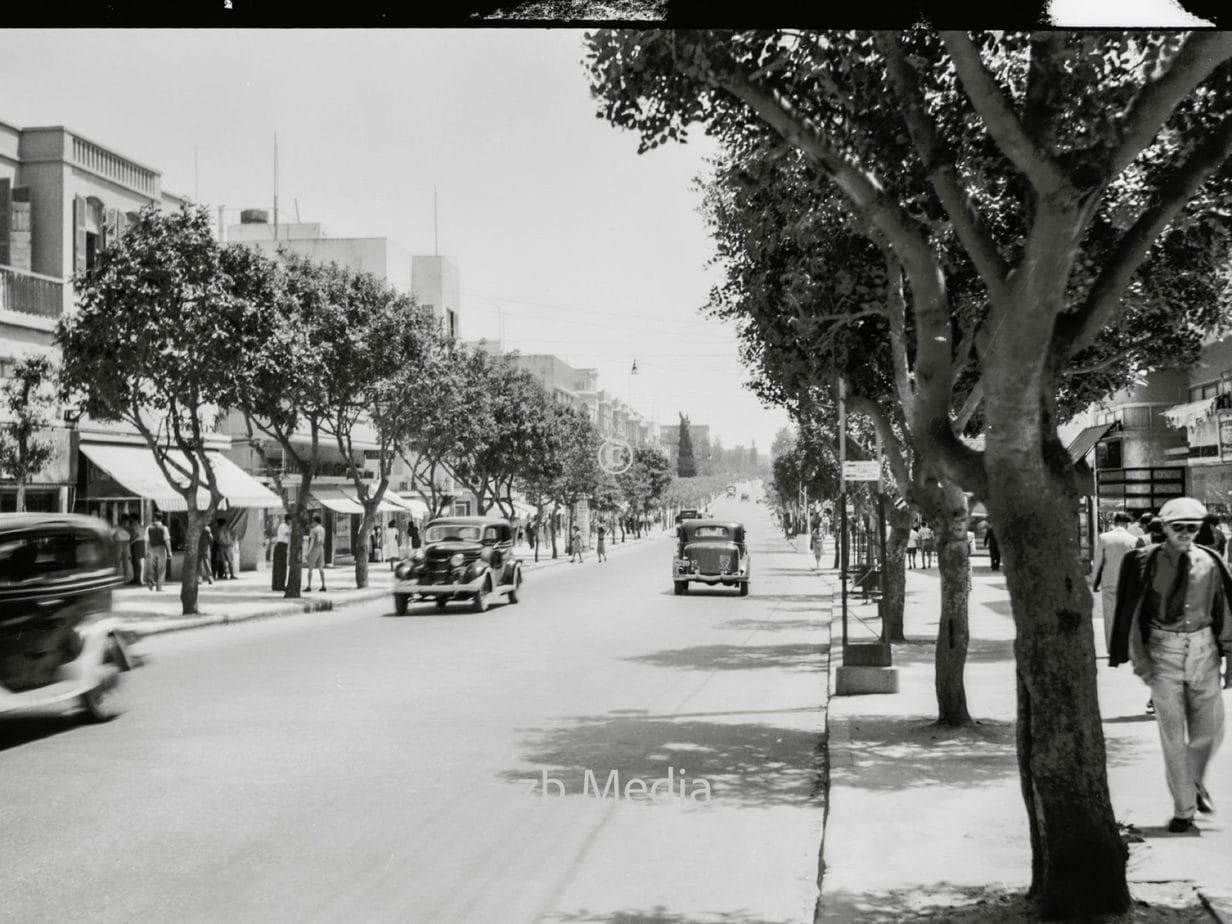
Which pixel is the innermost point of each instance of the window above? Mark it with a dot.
(1135, 417)
(1108, 454)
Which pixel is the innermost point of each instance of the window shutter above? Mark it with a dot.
(79, 236)
(6, 221)
(121, 223)
(111, 227)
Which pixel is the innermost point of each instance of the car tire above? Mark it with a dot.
(744, 588)
(682, 587)
(480, 603)
(513, 595)
(440, 602)
(400, 603)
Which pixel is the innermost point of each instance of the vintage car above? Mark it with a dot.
(463, 558)
(59, 642)
(687, 515)
(711, 552)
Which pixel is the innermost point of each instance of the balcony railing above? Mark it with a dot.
(30, 293)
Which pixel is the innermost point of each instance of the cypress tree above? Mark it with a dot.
(686, 467)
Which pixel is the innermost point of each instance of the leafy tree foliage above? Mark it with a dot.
(27, 400)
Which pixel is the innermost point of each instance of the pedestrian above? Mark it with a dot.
(392, 542)
(1140, 528)
(1211, 536)
(316, 552)
(600, 547)
(1154, 534)
(120, 537)
(815, 540)
(575, 544)
(1111, 548)
(1172, 623)
(225, 540)
(205, 543)
(413, 532)
(136, 550)
(282, 542)
(927, 544)
(158, 549)
(913, 543)
(994, 548)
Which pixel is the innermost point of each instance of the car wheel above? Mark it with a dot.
(440, 602)
(480, 603)
(682, 587)
(744, 588)
(400, 602)
(513, 595)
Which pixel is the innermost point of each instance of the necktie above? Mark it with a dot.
(1174, 610)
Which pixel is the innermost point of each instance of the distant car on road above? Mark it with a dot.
(463, 558)
(744, 496)
(686, 515)
(711, 552)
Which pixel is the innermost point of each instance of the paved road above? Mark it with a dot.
(354, 765)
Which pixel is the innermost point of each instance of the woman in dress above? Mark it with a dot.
(392, 542)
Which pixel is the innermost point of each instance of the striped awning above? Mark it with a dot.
(342, 498)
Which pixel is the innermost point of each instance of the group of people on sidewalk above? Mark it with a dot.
(1166, 611)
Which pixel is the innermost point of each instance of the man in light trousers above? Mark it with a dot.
(1113, 546)
(1172, 622)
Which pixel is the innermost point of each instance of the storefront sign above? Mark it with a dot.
(1225, 435)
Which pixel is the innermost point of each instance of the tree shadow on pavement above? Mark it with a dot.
(739, 657)
(939, 902)
(979, 651)
(658, 915)
(775, 625)
(898, 753)
(747, 764)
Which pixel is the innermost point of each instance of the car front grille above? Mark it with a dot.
(714, 561)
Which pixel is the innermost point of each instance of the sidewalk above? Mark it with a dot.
(148, 612)
(928, 824)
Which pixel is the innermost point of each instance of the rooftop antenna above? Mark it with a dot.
(296, 201)
(275, 185)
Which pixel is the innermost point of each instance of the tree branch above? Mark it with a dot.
(1197, 58)
(1003, 125)
(896, 311)
(938, 162)
(974, 399)
(1111, 360)
(1077, 331)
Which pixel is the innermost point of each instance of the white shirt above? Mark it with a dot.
(1113, 546)
(284, 532)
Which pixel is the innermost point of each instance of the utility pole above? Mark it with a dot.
(842, 501)
(275, 186)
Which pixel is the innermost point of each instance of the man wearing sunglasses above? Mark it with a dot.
(1172, 622)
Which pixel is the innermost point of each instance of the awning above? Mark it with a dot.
(136, 469)
(1085, 441)
(523, 509)
(415, 506)
(1185, 415)
(343, 499)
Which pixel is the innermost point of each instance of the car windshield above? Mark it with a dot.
(711, 532)
(30, 556)
(447, 531)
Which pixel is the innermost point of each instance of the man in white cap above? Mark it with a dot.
(1172, 622)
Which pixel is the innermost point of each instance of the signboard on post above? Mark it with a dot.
(862, 471)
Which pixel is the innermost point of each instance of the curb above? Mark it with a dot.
(1218, 903)
(289, 608)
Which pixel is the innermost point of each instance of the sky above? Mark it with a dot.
(567, 241)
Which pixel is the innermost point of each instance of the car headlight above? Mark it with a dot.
(417, 555)
(456, 559)
(402, 571)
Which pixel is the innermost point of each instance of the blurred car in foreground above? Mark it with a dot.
(463, 558)
(711, 552)
(59, 643)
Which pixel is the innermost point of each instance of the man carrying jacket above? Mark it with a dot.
(1172, 622)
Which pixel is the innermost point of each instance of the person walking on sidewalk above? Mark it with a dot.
(927, 544)
(157, 541)
(815, 541)
(205, 571)
(994, 549)
(225, 540)
(316, 552)
(600, 547)
(1172, 623)
(575, 544)
(913, 543)
(136, 550)
(1113, 546)
(282, 542)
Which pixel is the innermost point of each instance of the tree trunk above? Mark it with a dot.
(188, 575)
(1078, 858)
(21, 495)
(894, 574)
(945, 507)
(363, 546)
(295, 550)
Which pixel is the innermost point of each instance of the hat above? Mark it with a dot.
(1122, 517)
(1182, 508)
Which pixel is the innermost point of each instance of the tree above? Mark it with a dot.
(28, 398)
(686, 467)
(1060, 160)
(158, 343)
